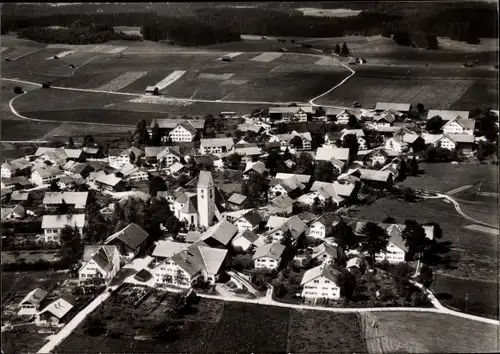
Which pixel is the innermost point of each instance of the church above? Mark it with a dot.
(201, 202)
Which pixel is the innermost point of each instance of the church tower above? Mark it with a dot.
(206, 198)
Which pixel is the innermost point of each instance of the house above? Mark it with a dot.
(53, 224)
(322, 226)
(183, 132)
(400, 107)
(332, 138)
(290, 186)
(377, 156)
(281, 204)
(168, 156)
(166, 249)
(129, 240)
(54, 156)
(360, 136)
(456, 141)
(397, 144)
(176, 170)
(294, 225)
(268, 256)
(249, 153)
(56, 312)
(17, 212)
(133, 173)
(221, 147)
(70, 182)
(99, 262)
(254, 128)
(20, 197)
(275, 222)
(236, 201)
(152, 91)
(383, 120)
(15, 167)
(284, 140)
(447, 115)
(91, 152)
(258, 167)
(46, 175)
(30, 304)
(328, 153)
(460, 126)
(74, 155)
(166, 125)
(110, 182)
(82, 169)
(339, 192)
(250, 221)
(221, 234)
(76, 200)
(381, 179)
(321, 282)
(343, 116)
(290, 164)
(325, 253)
(290, 114)
(15, 183)
(354, 264)
(118, 158)
(246, 241)
(198, 262)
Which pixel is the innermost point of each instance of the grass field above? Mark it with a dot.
(427, 333)
(29, 256)
(216, 326)
(15, 130)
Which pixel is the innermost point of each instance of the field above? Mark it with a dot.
(216, 326)
(467, 256)
(29, 256)
(427, 333)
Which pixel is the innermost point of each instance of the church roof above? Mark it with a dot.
(205, 179)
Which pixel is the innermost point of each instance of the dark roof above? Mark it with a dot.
(132, 236)
(252, 217)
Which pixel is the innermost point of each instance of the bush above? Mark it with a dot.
(18, 90)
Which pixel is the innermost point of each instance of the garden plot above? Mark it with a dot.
(62, 54)
(214, 76)
(267, 57)
(230, 55)
(170, 79)
(327, 61)
(122, 81)
(234, 82)
(160, 100)
(20, 52)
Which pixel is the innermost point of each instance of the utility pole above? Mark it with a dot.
(466, 298)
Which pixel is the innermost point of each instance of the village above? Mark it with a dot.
(255, 207)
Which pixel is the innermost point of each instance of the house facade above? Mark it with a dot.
(184, 132)
(53, 224)
(104, 263)
(268, 256)
(321, 282)
(221, 147)
(459, 125)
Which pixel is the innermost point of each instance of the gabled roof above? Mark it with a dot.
(42, 150)
(252, 217)
(329, 249)
(249, 235)
(176, 167)
(223, 232)
(34, 297)
(110, 180)
(321, 271)
(391, 112)
(401, 107)
(302, 178)
(275, 221)
(259, 167)
(326, 219)
(18, 209)
(169, 150)
(283, 201)
(59, 221)
(354, 262)
(19, 196)
(188, 126)
(373, 175)
(357, 132)
(213, 258)
(191, 206)
(389, 118)
(296, 227)
(236, 198)
(104, 258)
(205, 180)
(447, 115)
(248, 151)
(460, 138)
(73, 153)
(270, 250)
(17, 164)
(59, 308)
(78, 199)
(290, 110)
(47, 172)
(467, 124)
(326, 153)
(153, 151)
(193, 236)
(171, 123)
(166, 249)
(216, 142)
(250, 127)
(132, 236)
(191, 260)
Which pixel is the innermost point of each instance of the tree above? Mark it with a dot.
(409, 195)
(403, 170)
(420, 107)
(238, 134)
(351, 142)
(142, 133)
(426, 276)
(71, 241)
(414, 166)
(344, 51)
(287, 239)
(345, 236)
(324, 172)
(18, 90)
(273, 161)
(434, 124)
(305, 163)
(63, 208)
(71, 143)
(430, 154)
(296, 142)
(255, 187)
(88, 140)
(402, 38)
(53, 186)
(317, 141)
(353, 121)
(438, 232)
(480, 153)
(156, 184)
(415, 239)
(487, 126)
(375, 240)
(94, 326)
(337, 49)
(316, 207)
(156, 135)
(234, 160)
(131, 157)
(330, 205)
(389, 220)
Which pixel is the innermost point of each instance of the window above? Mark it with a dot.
(316, 281)
(327, 282)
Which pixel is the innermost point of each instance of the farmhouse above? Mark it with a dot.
(15, 183)
(78, 168)
(456, 141)
(280, 204)
(326, 253)
(166, 249)
(133, 173)
(251, 168)
(329, 153)
(236, 201)
(184, 132)
(296, 227)
(17, 212)
(343, 116)
(219, 146)
(129, 241)
(360, 134)
(56, 312)
(321, 282)
(304, 179)
(152, 90)
(246, 241)
(268, 255)
(284, 140)
(185, 268)
(45, 175)
(15, 167)
(459, 125)
(76, 200)
(53, 155)
(383, 120)
(53, 224)
(99, 262)
(322, 226)
(221, 234)
(110, 182)
(249, 152)
(381, 179)
(290, 186)
(290, 114)
(332, 138)
(118, 158)
(400, 107)
(339, 192)
(168, 124)
(447, 115)
(250, 221)
(168, 156)
(30, 304)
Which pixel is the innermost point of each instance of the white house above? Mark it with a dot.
(290, 114)
(322, 226)
(30, 304)
(46, 175)
(13, 167)
(55, 313)
(219, 146)
(397, 107)
(118, 158)
(325, 253)
(103, 262)
(321, 282)
(447, 115)
(284, 186)
(328, 153)
(268, 256)
(17, 212)
(78, 200)
(133, 173)
(184, 132)
(456, 141)
(459, 125)
(246, 241)
(284, 140)
(168, 156)
(383, 120)
(343, 116)
(396, 144)
(198, 261)
(250, 221)
(339, 192)
(53, 224)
